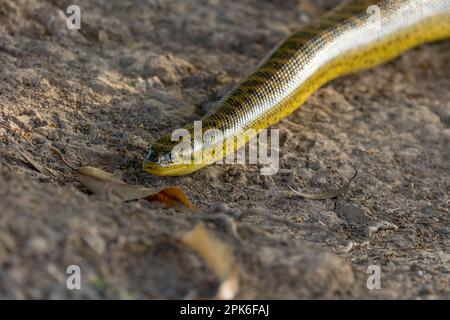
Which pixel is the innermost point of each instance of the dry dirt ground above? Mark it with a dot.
(139, 68)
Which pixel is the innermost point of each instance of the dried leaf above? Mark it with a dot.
(217, 255)
(102, 182)
(172, 197)
(99, 181)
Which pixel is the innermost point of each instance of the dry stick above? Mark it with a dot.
(36, 165)
(62, 158)
(274, 218)
(325, 195)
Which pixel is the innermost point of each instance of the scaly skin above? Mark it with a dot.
(344, 41)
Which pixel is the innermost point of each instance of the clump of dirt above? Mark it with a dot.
(138, 69)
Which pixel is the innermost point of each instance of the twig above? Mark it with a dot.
(271, 217)
(62, 158)
(325, 195)
(36, 165)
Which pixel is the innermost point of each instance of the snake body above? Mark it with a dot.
(357, 35)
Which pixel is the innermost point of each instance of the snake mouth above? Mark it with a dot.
(170, 170)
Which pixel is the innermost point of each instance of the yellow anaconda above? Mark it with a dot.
(357, 35)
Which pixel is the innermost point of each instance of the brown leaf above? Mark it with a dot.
(172, 197)
(102, 182)
(218, 256)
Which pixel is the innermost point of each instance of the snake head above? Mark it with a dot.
(158, 157)
(160, 154)
(163, 160)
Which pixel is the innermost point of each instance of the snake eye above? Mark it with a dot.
(168, 157)
(149, 153)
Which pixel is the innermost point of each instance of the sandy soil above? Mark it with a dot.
(139, 68)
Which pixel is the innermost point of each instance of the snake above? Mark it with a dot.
(354, 36)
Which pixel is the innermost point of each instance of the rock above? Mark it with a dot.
(167, 68)
(154, 82)
(54, 21)
(314, 165)
(28, 76)
(352, 213)
(39, 245)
